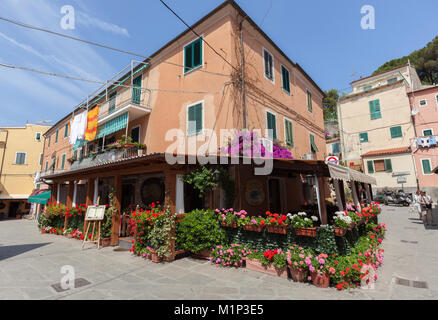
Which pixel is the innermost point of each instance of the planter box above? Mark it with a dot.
(340, 232)
(203, 254)
(254, 228)
(234, 225)
(256, 265)
(297, 275)
(105, 242)
(277, 229)
(306, 232)
(321, 281)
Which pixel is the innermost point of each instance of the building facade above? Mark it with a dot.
(21, 154)
(424, 106)
(376, 127)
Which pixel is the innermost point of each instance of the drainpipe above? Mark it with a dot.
(243, 76)
(342, 129)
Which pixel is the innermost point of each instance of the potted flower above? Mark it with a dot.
(72, 159)
(276, 223)
(341, 222)
(271, 262)
(303, 225)
(68, 233)
(255, 224)
(230, 218)
(297, 266)
(126, 142)
(229, 256)
(320, 270)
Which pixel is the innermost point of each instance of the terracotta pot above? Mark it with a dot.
(256, 265)
(340, 232)
(233, 225)
(203, 254)
(129, 145)
(306, 232)
(105, 242)
(320, 280)
(43, 231)
(297, 275)
(277, 229)
(18, 216)
(69, 235)
(254, 228)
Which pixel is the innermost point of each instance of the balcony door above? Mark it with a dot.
(135, 134)
(136, 90)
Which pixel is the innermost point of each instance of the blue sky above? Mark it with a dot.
(324, 37)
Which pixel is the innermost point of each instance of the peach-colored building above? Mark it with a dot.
(424, 106)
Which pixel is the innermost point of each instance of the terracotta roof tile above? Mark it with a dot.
(387, 152)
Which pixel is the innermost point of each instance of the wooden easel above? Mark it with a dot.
(94, 222)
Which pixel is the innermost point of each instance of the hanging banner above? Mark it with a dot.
(90, 133)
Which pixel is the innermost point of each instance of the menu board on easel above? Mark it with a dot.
(95, 213)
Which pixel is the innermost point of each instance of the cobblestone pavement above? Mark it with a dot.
(30, 263)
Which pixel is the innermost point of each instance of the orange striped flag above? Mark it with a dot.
(90, 133)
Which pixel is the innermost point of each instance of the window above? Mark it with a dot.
(336, 147)
(363, 137)
(313, 147)
(425, 164)
(268, 62)
(194, 118)
(388, 165)
(375, 109)
(370, 166)
(136, 90)
(423, 103)
(367, 88)
(135, 134)
(56, 137)
(20, 158)
(289, 138)
(271, 120)
(47, 165)
(66, 130)
(48, 143)
(380, 165)
(38, 136)
(285, 79)
(112, 102)
(63, 162)
(75, 154)
(396, 132)
(193, 55)
(436, 97)
(392, 80)
(309, 101)
(41, 159)
(427, 132)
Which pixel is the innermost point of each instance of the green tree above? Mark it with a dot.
(330, 104)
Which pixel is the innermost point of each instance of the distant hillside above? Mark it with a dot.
(425, 60)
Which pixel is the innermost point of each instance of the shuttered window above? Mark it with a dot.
(379, 165)
(193, 55)
(66, 131)
(271, 125)
(63, 162)
(112, 101)
(20, 158)
(363, 137)
(289, 133)
(426, 166)
(269, 65)
(136, 90)
(194, 118)
(388, 165)
(375, 109)
(336, 147)
(313, 147)
(285, 79)
(56, 137)
(427, 132)
(370, 166)
(309, 101)
(396, 132)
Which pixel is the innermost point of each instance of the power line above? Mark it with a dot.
(182, 20)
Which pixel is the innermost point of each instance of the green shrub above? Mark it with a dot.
(200, 230)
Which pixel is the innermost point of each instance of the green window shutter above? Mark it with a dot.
(388, 165)
(198, 116)
(75, 154)
(48, 144)
(56, 138)
(188, 58)
(285, 78)
(272, 124)
(336, 147)
(313, 147)
(289, 133)
(136, 90)
(370, 166)
(66, 131)
(197, 53)
(396, 132)
(63, 162)
(427, 132)
(194, 119)
(426, 166)
(193, 55)
(375, 109)
(363, 137)
(309, 101)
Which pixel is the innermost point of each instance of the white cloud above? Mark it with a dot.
(86, 20)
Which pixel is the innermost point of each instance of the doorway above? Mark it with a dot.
(13, 209)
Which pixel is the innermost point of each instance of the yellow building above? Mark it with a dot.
(21, 151)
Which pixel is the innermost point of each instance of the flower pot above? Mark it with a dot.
(253, 227)
(320, 280)
(105, 242)
(256, 265)
(277, 229)
(340, 232)
(203, 254)
(69, 235)
(18, 216)
(154, 256)
(129, 145)
(297, 275)
(43, 231)
(306, 232)
(233, 225)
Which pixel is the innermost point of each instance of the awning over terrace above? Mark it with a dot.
(40, 196)
(347, 174)
(112, 126)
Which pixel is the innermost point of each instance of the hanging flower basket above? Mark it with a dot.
(340, 232)
(255, 228)
(277, 229)
(233, 225)
(256, 265)
(320, 280)
(297, 275)
(306, 232)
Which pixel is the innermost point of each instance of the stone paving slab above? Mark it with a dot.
(30, 262)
